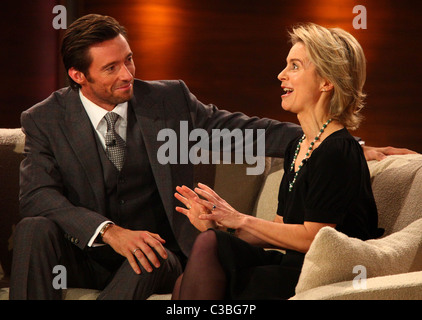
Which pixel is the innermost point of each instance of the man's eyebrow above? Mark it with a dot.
(108, 65)
(114, 62)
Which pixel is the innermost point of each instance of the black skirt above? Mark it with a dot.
(254, 273)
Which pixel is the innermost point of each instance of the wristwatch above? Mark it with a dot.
(104, 229)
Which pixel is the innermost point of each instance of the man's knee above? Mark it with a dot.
(170, 265)
(38, 221)
(35, 230)
(126, 284)
(166, 274)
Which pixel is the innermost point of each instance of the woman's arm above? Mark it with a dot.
(278, 234)
(254, 230)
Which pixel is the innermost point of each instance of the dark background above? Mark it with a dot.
(229, 53)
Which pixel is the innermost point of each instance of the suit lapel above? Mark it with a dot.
(79, 132)
(149, 114)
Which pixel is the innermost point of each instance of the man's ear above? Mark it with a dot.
(77, 76)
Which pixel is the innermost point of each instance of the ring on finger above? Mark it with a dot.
(213, 207)
(134, 251)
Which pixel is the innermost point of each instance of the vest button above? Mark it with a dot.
(122, 202)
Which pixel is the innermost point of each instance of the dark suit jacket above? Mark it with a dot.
(61, 176)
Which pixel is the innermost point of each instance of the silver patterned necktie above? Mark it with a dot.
(115, 145)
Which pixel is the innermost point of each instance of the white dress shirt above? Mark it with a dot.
(96, 115)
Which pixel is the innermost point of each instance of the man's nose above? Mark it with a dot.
(125, 73)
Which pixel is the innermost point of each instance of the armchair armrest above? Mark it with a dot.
(403, 286)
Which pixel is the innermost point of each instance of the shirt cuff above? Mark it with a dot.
(91, 242)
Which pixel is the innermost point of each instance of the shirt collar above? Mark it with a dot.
(96, 113)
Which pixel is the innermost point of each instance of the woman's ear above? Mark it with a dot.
(326, 86)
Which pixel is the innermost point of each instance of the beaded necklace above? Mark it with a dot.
(292, 166)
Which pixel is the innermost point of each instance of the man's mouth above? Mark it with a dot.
(126, 86)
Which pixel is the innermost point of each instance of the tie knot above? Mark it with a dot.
(111, 118)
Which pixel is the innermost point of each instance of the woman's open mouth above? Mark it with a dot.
(288, 91)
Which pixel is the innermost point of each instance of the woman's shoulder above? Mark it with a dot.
(341, 146)
(340, 140)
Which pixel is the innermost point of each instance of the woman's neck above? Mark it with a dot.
(313, 122)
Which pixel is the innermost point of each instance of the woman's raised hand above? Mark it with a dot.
(194, 209)
(219, 210)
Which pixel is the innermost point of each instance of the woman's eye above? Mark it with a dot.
(295, 66)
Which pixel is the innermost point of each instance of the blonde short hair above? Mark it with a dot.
(339, 58)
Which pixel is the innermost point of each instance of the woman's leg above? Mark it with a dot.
(204, 277)
(176, 289)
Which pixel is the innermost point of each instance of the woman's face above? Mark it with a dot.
(300, 82)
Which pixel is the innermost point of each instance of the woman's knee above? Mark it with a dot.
(206, 242)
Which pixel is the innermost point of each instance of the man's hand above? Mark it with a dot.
(373, 153)
(136, 245)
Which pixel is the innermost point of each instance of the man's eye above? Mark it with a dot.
(295, 66)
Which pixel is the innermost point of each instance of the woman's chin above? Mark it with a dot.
(286, 107)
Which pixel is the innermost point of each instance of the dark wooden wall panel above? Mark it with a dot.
(230, 52)
(28, 57)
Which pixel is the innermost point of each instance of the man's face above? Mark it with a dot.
(109, 80)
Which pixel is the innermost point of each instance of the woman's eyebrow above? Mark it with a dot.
(294, 59)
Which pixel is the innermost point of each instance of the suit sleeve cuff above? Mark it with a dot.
(91, 242)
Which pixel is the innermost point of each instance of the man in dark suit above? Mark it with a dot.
(93, 195)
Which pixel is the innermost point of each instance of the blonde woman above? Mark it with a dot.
(326, 181)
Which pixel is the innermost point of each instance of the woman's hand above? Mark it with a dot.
(194, 208)
(219, 210)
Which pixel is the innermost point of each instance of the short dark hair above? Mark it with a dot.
(81, 35)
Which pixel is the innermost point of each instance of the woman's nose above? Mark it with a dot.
(282, 75)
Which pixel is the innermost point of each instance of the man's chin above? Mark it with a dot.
(123, 97)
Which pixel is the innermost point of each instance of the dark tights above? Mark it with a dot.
(204, 277)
